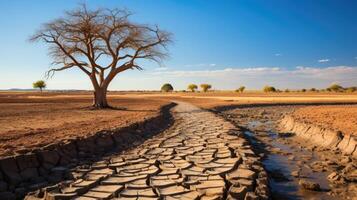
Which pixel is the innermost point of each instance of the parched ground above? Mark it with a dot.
(342, 117)
(32, 120)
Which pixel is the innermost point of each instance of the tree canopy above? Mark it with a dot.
(167, 87)
(39, 84)
(192, 87)
(205, 87)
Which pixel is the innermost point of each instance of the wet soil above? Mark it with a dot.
(288, 160)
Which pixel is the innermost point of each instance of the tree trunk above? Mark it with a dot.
(100, 98)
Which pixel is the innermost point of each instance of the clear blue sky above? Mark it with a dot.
(228, 43)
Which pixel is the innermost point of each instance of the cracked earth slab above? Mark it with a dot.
(201, 156)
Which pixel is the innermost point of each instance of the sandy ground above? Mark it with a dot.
(31, 120)
(342, 118)
(28, 122)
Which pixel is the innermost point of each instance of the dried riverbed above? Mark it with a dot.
(297, 169)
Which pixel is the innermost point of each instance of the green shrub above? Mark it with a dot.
(167, 87)
(269, 89)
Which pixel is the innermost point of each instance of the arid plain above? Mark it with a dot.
(306, 142)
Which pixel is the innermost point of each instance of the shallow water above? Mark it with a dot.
(277, 162)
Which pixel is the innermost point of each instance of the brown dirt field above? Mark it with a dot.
(342, 118)
(32, 120)
(215, 99)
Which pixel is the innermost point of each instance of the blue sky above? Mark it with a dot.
(285, 43)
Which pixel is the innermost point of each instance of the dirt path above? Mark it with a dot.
(201, 156)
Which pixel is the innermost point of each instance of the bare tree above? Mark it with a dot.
(101, 43)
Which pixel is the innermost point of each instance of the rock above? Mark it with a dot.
(251, 196)
(238, 192)
(350, 172)
(345, 160)
(334, 177)
(295, 173)
(309, 185)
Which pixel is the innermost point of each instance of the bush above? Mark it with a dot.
(335, 88)
(205, 87)
(192, 87)
(286, 90)
(313, 90)
(269, 89)
(39, 84)
(303, 90)
(240, 89)
(167, 87)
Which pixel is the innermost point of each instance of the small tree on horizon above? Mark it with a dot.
(39, 84)
(335, 88)
(269, 89)
(205, 87)
(192, 87)
(167, 87)
(241, 89)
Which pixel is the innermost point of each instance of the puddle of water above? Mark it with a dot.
(274, 162)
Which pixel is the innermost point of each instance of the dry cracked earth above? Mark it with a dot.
(202, 156)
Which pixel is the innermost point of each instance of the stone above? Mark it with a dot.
(241, 173)
(238, 192)
(251, 196)
(309, 185)
(295, 174)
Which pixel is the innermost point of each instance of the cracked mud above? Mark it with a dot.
(202, 156)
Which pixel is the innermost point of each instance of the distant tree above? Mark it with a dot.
(39, 84)
(303, 90)
(269, 89)
(101, 43)
(286, 90)
(335, 88)
(241, 89)
(205, 87)
(167, 87)
(192, 87)
(313, 90)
